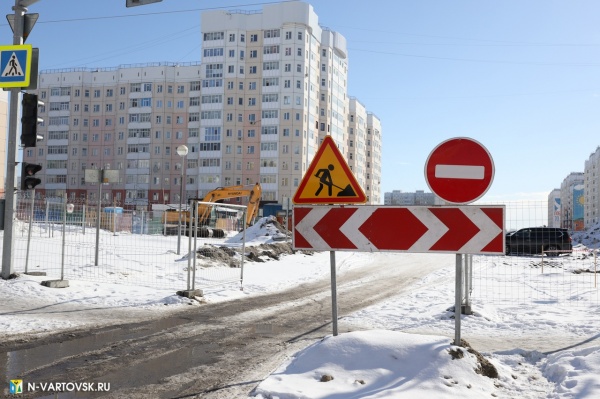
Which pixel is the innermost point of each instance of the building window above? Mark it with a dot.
(271, 50)
(213, 36)
(269, 33)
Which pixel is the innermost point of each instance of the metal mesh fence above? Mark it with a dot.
(134, 247)
(140, 247)
(526, 279)
(534, 271)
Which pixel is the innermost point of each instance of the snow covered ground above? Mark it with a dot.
(400, 349)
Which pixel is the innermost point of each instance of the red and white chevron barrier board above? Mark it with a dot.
(467, 229)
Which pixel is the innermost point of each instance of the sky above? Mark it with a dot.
(398, 348)
(519, 77)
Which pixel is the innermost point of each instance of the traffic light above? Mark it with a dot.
(28, 170)
(30, 120)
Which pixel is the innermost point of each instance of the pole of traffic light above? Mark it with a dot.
(11, 155)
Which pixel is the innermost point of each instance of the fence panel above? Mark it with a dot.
(133, 248)
(526, 279)
(537, 279)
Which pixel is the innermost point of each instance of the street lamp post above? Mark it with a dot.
(182, 151)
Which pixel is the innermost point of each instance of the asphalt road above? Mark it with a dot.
(220, 350)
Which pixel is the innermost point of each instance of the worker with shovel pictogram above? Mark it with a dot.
(324, 176)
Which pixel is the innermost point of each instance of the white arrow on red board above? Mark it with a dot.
(450, 229)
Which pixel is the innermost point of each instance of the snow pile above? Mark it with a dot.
(575, 372)
(266, 230)
(386, 364)
(590, 237)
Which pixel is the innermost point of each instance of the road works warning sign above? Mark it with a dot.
(15, 65)
(329, 179)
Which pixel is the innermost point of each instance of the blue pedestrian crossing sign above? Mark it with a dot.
(15, 65)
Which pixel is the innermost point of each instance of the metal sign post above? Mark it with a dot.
(11, 155)
(100, 176)
(458, 299)
(334, 307)
(29, 230)
(98, 223)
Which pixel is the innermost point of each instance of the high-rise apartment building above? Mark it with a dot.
(129, 119)
(270, 87)
(571, 201)
(591, 176)
(373, 150)
(364, 149)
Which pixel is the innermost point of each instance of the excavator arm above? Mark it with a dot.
(253, 193)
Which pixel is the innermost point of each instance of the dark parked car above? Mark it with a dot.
(533, 240)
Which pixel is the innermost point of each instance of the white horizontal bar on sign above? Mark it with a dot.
(459, 172)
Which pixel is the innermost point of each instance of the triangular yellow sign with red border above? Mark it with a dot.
(329, 179)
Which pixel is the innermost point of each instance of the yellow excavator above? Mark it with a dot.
(205, 211)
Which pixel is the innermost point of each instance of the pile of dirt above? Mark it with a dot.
(484, 366)
(222, 255)
(215, 255)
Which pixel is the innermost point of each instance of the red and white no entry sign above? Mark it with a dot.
(459, 170)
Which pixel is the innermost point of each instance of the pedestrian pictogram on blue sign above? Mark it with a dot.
(15, 65)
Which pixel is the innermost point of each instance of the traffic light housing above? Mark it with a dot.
(30, 120)
(28, 170)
